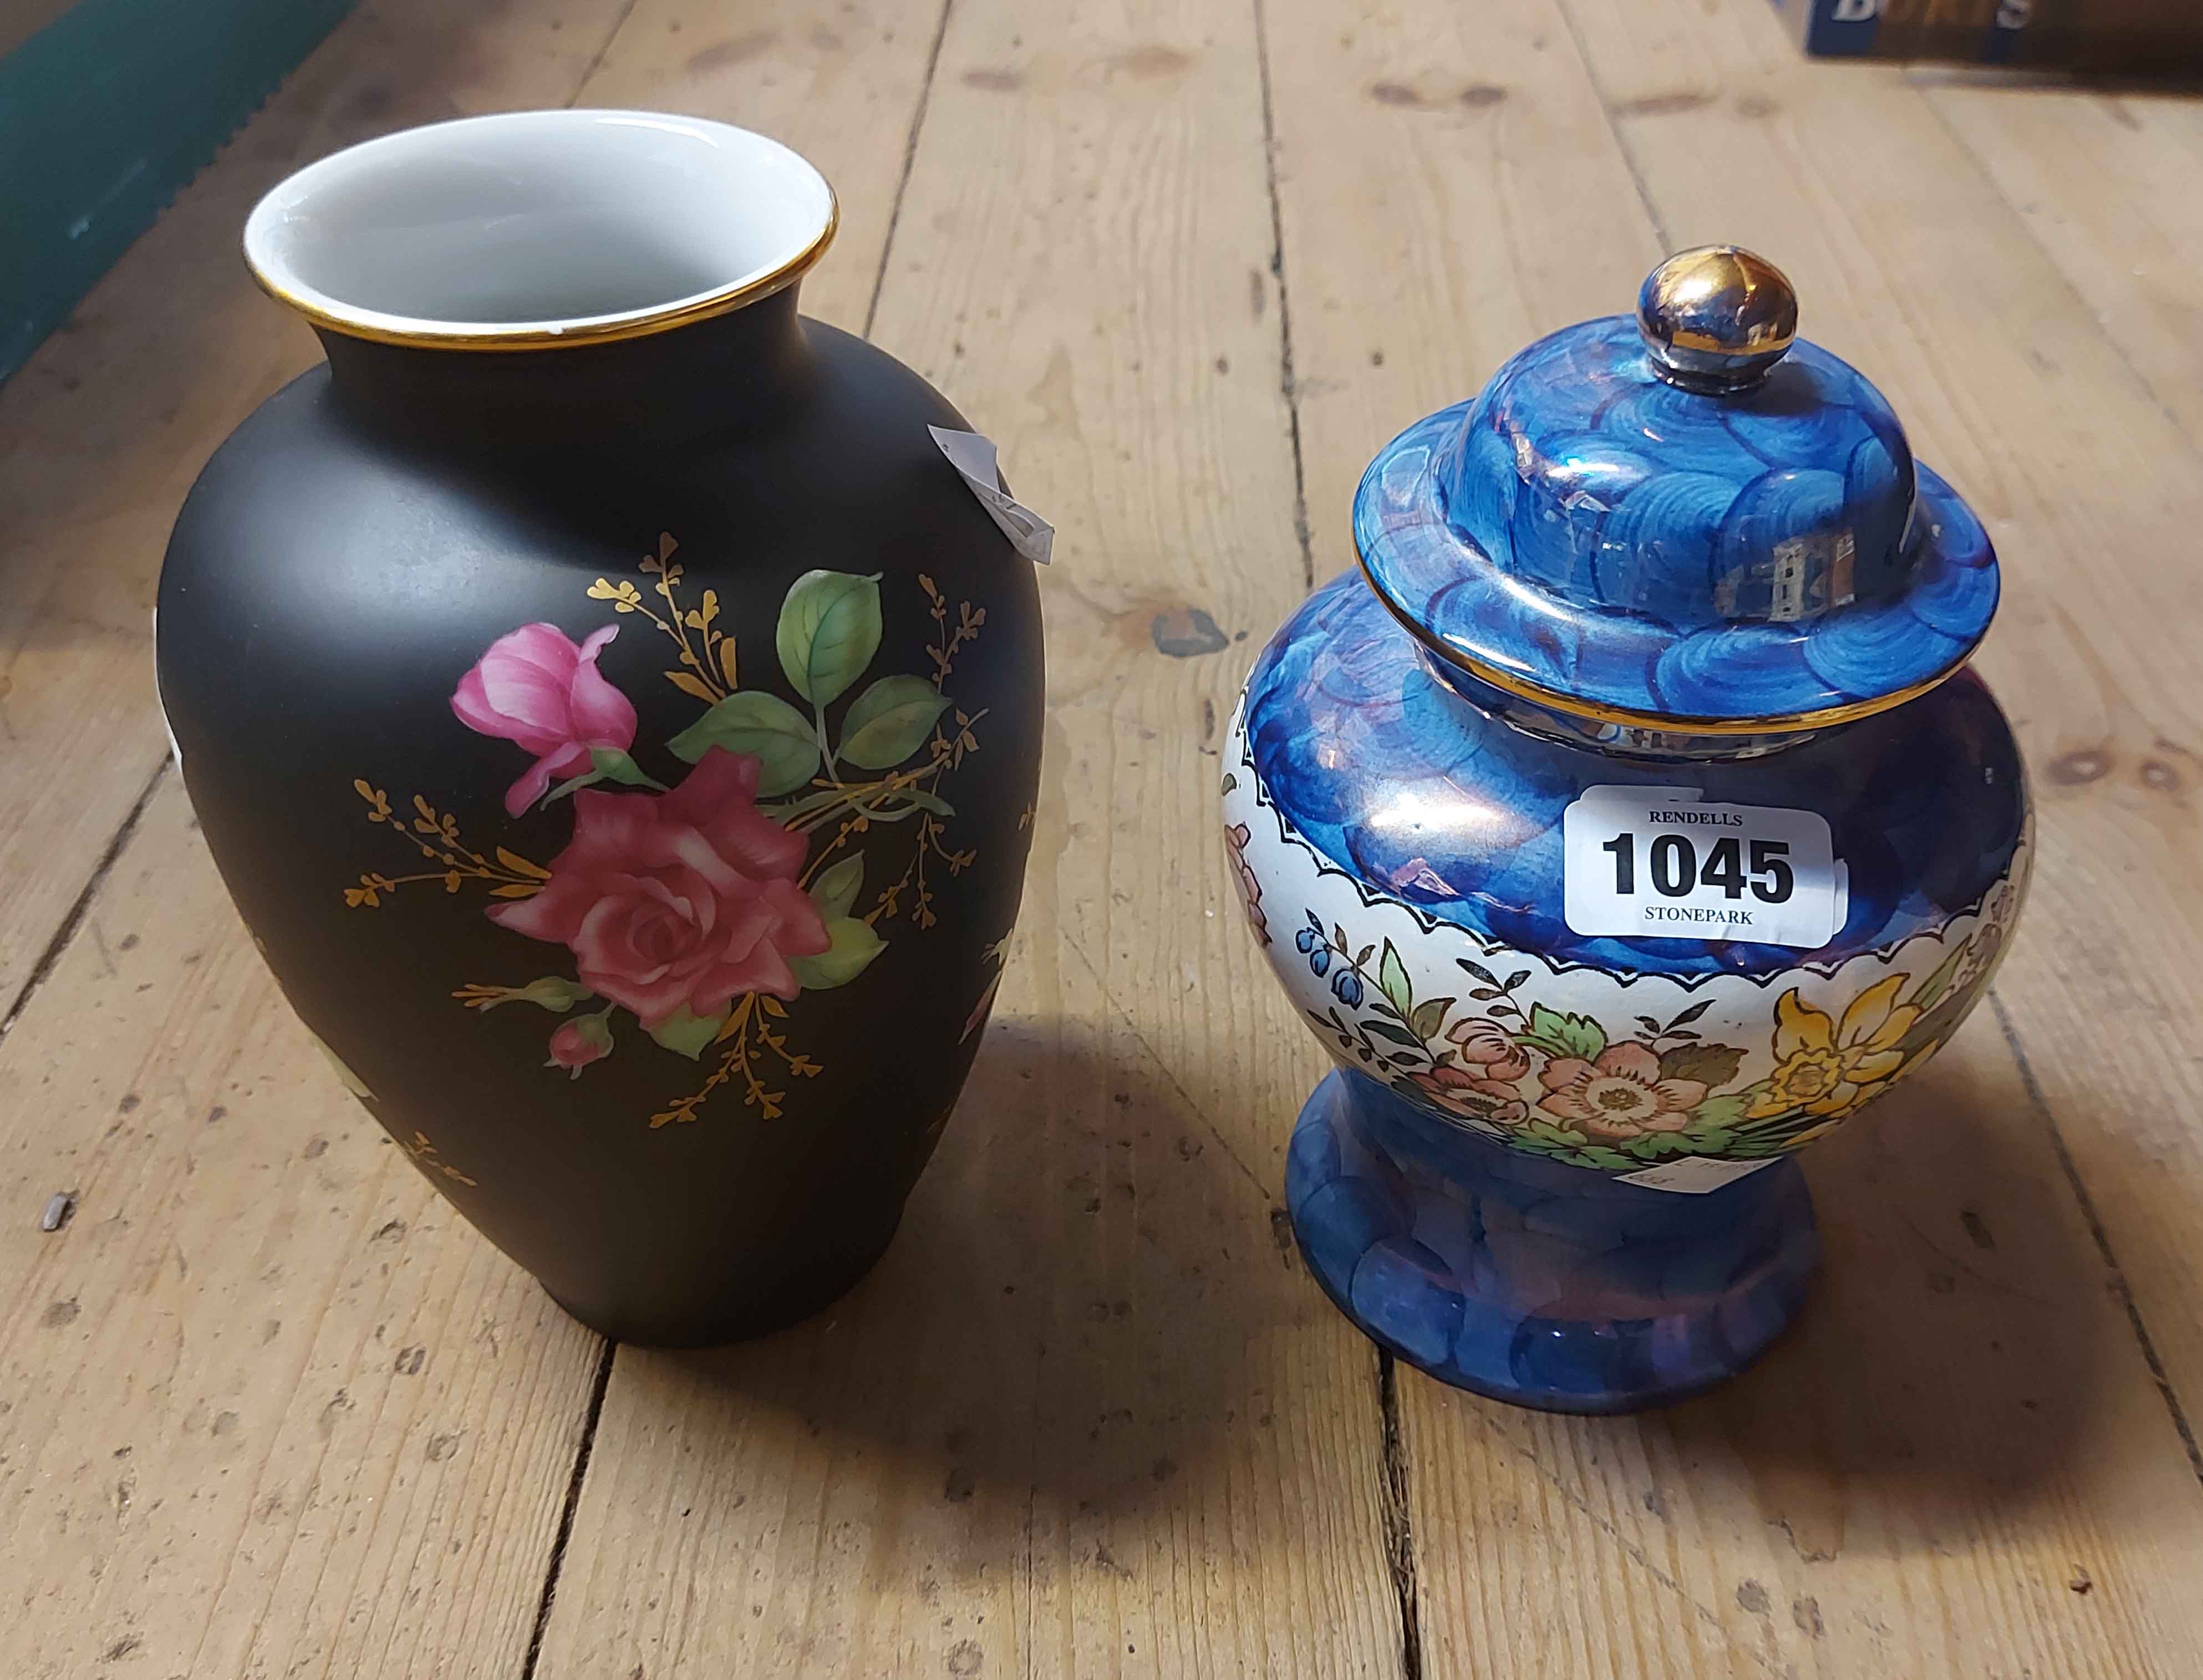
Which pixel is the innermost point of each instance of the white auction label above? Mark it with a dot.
(1662, 862)
(974, 458)
(1693, 1175)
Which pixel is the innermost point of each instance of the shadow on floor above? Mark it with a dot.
(1094, 1297)
(1953, 1359)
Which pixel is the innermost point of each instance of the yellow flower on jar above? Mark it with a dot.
(1829, 1067)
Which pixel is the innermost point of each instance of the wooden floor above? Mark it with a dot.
(267, 1408)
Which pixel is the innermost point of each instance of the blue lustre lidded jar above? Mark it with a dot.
(1626, 821)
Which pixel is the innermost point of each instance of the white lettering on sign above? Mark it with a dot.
(1659, 863)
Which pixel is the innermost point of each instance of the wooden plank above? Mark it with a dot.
(2106, 183)
(1088, 1417)
(1487, 207)
(103, 429)
(841, 86)
(1962, 1425)
(266, 1406)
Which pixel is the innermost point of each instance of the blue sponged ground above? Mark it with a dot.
(1395, 778)
(1531, 1281)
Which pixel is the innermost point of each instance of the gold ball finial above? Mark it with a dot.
(1716, 318)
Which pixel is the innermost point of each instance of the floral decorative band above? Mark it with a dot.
(1622, 1073)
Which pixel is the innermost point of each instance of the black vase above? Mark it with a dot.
(617, 721)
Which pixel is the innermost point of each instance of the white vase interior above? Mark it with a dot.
(537, 223)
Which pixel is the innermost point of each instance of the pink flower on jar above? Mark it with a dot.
(1619, 1096)
(1489, 1050)
(1477, 1098)
(678, 900)
(575, 1043)
(537, 688)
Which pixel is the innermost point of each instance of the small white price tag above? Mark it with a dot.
(1661, 863)
(1693, 1175)
(973, 457)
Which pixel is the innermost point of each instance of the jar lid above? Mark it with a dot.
(1691, 519)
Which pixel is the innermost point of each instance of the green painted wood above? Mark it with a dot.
(108, 110)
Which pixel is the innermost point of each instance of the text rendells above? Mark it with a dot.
(1656, 863)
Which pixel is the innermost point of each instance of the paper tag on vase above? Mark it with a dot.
(974, 458)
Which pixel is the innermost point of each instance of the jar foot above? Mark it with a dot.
(1531, 1281)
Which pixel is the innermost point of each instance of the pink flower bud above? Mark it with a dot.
(575, 1043)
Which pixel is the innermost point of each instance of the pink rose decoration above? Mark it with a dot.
(1620, 1095)
(1479, 1099)
(678, 900)
(536, 688)
(575, 1043)
(1487, 1046)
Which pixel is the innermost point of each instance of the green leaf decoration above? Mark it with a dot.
(824, 796)
(1230, 782)
(1546, 1133)
(572, 785)
(614, 765)
(764, 725)
(1664, 1146)
(686, 1035)
(835, 889)
(1563, 1035)
(890, 721)
(553, 991)
(1392, 980)
(606, 763)
(1751, 1093)
(1939, 982)
(830, 629)
(1571, 1148)
(1429, 1016)
(1721, 1111)
(1711, 1064)
(1385, 1029)
(1936, 1024)
(1758, 1148)
(1599, 1158)
(925, 801)
(855, 946)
